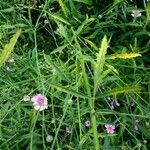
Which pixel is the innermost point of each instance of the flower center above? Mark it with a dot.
(40, 100)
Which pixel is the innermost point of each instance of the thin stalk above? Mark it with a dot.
(90, 99)
(91, 104)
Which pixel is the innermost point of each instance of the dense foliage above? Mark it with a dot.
(89, 60)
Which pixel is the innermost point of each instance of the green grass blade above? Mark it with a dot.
(68, 91)
(148, 11)
(62, 5)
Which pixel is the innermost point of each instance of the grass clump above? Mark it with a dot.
(78, 75)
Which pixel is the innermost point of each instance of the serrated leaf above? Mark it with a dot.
(109, 70)
(112, 68)
(56, 18)
(62, 31)
(59, 49)
(121, 90)
(84, 23)
(124, 56)
(98, 68)
(90, 43)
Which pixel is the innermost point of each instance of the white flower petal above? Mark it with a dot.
(26, 98)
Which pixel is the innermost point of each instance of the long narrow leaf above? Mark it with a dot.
(62, 5)
(98, 68)
(9, 48)
(121, 90)
(68, 91)
(124, 56)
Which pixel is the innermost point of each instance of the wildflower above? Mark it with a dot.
(136, 13)
(110, 128)
(114, 104)
(68, 130)
(109, 98)
(49, 138)
(99, 16)
(11, 61)
(103, 87)
(46, 21)
(8, 68)
(26, 98)
(39, 102)
(87, 123)
(136, 125)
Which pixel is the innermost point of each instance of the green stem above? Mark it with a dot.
(91, 104)
(90, 100)
(95, 133)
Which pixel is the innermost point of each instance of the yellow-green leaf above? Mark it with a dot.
(124, 56)
(62, 5)
(90, 43)
(98, 68)
(9, 48)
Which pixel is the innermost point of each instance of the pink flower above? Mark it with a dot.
(39, 102)
(87, 123)
(110, 128)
